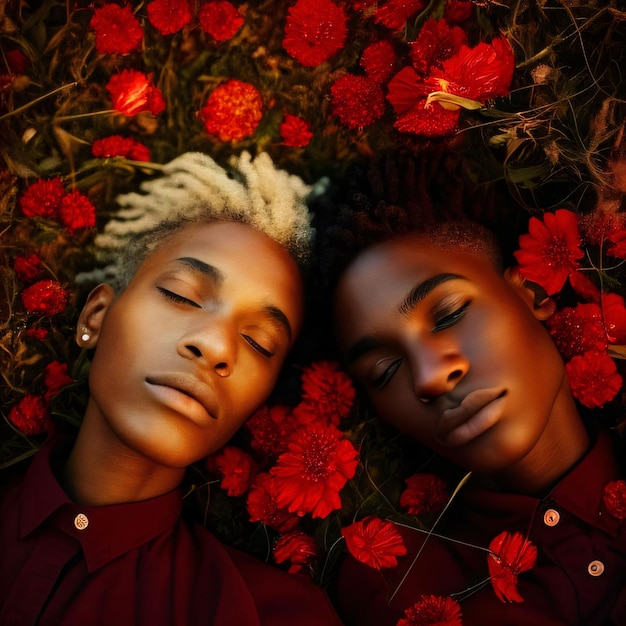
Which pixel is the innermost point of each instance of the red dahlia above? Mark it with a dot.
(117, 30)
(169, 16)
(220, 19)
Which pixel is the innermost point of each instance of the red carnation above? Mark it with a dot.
(594, 378)
(310, 475)
(132, 92)
(315, 30)
(394, 13)
(117, 30)
(27, 267)
(77, 212)
(220, 19)
(30, 415)
(55, 378)
(237, 469)
(378, 60)
(296, 547)
(424, 493)
(43, 198)
(578, 329)
(262, 505)
(357, 101)
(295, 132)
(550, 251)
(271, 429)
(433, 611)
(615, 499)
(45, 297)
(510, 555)
(233, 110)
(374, 541)
(169, 16)
(436, 42)
(118, 146)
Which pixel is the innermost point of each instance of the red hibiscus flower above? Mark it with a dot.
(614, 496)
(220, 19)
(43, 198)
(424, 493)
(132, 92)
(433, 611)
(271, 429)
(550, 251)
(77, 212)
(378, 60)
(45, 297)
(394, 13)
(374, 541)
(296, 547)
(315, 30)
(169, 16)
(237, 468)
(117, 30)
(295, 132)
(27, 267)
(594, 378)
(30, 415)
(118, 146)
(55, 378)
(232, 111)
(578, 329)
(357, 101)
(262, 505)
(510, 555)
(316, 466)
(436, 42)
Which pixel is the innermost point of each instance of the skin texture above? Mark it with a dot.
(453, 353)
(183, 356)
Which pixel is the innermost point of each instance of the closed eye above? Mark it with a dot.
(170, 295)
(380, 382)
(451, 318)
(259, 348)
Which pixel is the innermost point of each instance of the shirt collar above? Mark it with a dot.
(110, 530)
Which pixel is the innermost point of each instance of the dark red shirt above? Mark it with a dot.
(133, 564)
(578, 578)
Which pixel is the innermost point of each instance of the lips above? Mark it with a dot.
(476, 414)
(186, 394)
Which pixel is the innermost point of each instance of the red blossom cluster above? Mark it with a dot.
(118, 146)
(433, 611)
(550, 255)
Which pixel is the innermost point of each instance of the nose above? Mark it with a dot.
(437, 369)
(212, 343)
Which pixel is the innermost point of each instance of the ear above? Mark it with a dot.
(93, 314)
(541, 305)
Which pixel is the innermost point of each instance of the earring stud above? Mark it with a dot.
(85, 337)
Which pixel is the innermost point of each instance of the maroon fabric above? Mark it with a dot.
(559, 590)
(133, 564)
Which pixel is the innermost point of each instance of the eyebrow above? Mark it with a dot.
(412, 299)
(272, 312)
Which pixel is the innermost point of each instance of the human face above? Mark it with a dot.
(450, 352)
(195, 343)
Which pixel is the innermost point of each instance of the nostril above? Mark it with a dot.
(455, 375)
(194, 350)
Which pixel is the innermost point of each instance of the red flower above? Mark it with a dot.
(132, 92)
(374, 541)
(27, 267)
(37, 333)
(594, 378)
(577, 330)
(295, 131)
(614, 315)
(45, 297)
(615, 499)
(617, 244)
(30, 415)
(394, 13)
(296, 547)
(271, 430)
(433, 611)
(317, 465)
(436, 42)
(550, 251)
(117, 30)
(237, 468)
(77, 212)
(378, 60)
(220, 19)
(357, 101)
(458, 11)
(315, 30)
(118, 146)
(233, 110)
(55, 378)
(424, 493)
(169, 16)
(43, 198)
(510, 555)
(263, 506)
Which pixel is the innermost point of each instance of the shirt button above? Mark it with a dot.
(596, 568)
(81, 521)
(551, 517)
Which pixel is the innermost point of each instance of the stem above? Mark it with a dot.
(35, 101)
